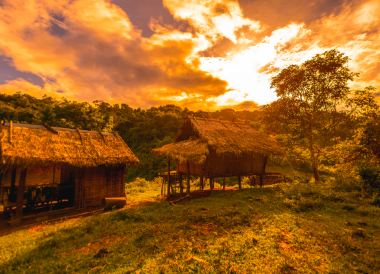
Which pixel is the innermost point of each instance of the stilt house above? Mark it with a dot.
(219, 148)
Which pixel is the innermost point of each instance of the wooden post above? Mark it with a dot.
(180, 183)
(201, 182)
(212, 183)
(162, 188)
(1, 188)
(239, 181)
(168, 192)
(1, 142)
(20, 194)
(188, 178)
(263, 171)
(10, 132)
(12, 197)
(224, 183)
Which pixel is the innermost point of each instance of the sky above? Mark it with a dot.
(200, 54)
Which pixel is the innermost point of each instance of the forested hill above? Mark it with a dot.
(143, 129)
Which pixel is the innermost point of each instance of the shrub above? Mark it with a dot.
(342, 183)
(376, 200)
(370, 178)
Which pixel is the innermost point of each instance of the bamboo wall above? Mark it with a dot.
(227, 165)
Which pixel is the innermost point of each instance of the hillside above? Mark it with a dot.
(283, 228)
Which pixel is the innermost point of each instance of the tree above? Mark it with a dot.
(365, 112)
(310, 98)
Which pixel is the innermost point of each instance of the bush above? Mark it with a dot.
(370, 178)
(141, 185)
(376, 200)
(342, 183)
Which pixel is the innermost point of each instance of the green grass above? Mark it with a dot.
(281, 229)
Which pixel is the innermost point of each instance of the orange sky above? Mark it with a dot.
(203, 54)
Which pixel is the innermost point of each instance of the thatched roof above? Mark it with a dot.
(200, 136)
(25, 145)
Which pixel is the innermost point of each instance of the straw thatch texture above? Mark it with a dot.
(230, 137)
(192, 150)
(200, 136)
(32, 145)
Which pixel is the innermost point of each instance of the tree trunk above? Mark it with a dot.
(314, 158)
(168, 192)
(188, 179)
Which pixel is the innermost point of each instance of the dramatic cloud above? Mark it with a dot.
(195, 53)
(90, 50)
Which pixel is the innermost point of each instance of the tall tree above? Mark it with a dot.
(310, 96)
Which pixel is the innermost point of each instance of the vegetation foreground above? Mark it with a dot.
(285, 228)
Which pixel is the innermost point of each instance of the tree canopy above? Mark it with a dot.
(316, 105)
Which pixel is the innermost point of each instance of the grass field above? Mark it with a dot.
(281, 229)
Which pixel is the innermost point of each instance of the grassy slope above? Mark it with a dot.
(275, 229)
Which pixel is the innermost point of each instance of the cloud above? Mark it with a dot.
(214, 18)
(98, 54)
(274, 14)
(204, 54)
(20, 85)
(356, 32)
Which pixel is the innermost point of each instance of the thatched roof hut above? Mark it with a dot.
(220, 148)
(55, 166)
(35, 145)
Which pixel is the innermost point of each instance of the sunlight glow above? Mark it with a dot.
(242, 69)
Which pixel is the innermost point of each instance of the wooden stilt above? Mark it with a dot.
(10, 132)
(188, 178)
(263, 172)
(224, 183)
(239, 181)
(168, 192)
(180, 183)
(212, 183)
(13, 195)
(1, 186)
(20, 194)
(162, 189)
(201, 182)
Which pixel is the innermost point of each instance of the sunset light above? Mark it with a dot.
(201, 54)
(189, 136)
